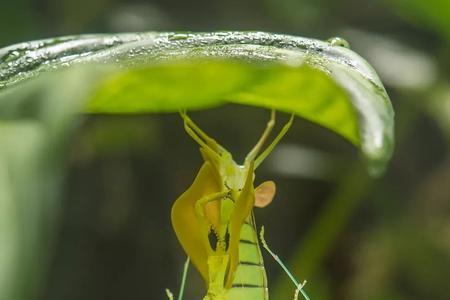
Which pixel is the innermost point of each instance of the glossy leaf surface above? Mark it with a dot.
(324, 82)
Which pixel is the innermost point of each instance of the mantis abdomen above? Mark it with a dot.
(250, 281)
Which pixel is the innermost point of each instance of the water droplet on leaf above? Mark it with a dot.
(339, 42)
(177, 36)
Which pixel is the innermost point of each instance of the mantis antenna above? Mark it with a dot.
(298, 286)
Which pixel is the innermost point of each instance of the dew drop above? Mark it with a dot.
(339, 42)
(177, 36)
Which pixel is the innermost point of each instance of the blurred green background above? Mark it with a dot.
(351, 236)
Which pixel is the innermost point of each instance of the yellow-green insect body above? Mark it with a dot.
(214, 221)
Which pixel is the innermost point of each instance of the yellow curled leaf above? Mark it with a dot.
(191, 230)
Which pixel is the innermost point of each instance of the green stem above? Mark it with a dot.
(183, 279)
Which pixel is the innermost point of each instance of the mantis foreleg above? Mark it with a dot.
(206, 199)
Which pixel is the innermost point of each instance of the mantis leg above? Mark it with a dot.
(298, 286)
(206, 199)
(200, 133)
(252, 154)
(207, 143)
(269, 149)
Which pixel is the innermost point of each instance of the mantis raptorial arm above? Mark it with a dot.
(272, 145)
(208, 198)
(252, 154)
(298, 286)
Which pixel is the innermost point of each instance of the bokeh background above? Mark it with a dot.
(351, 236)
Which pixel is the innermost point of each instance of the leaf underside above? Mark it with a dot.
(163, 72)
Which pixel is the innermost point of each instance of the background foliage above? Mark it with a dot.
(351, 236)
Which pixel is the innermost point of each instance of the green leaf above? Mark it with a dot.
(323, 82)
(45, 85)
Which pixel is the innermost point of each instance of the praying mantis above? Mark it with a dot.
(214, 221)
